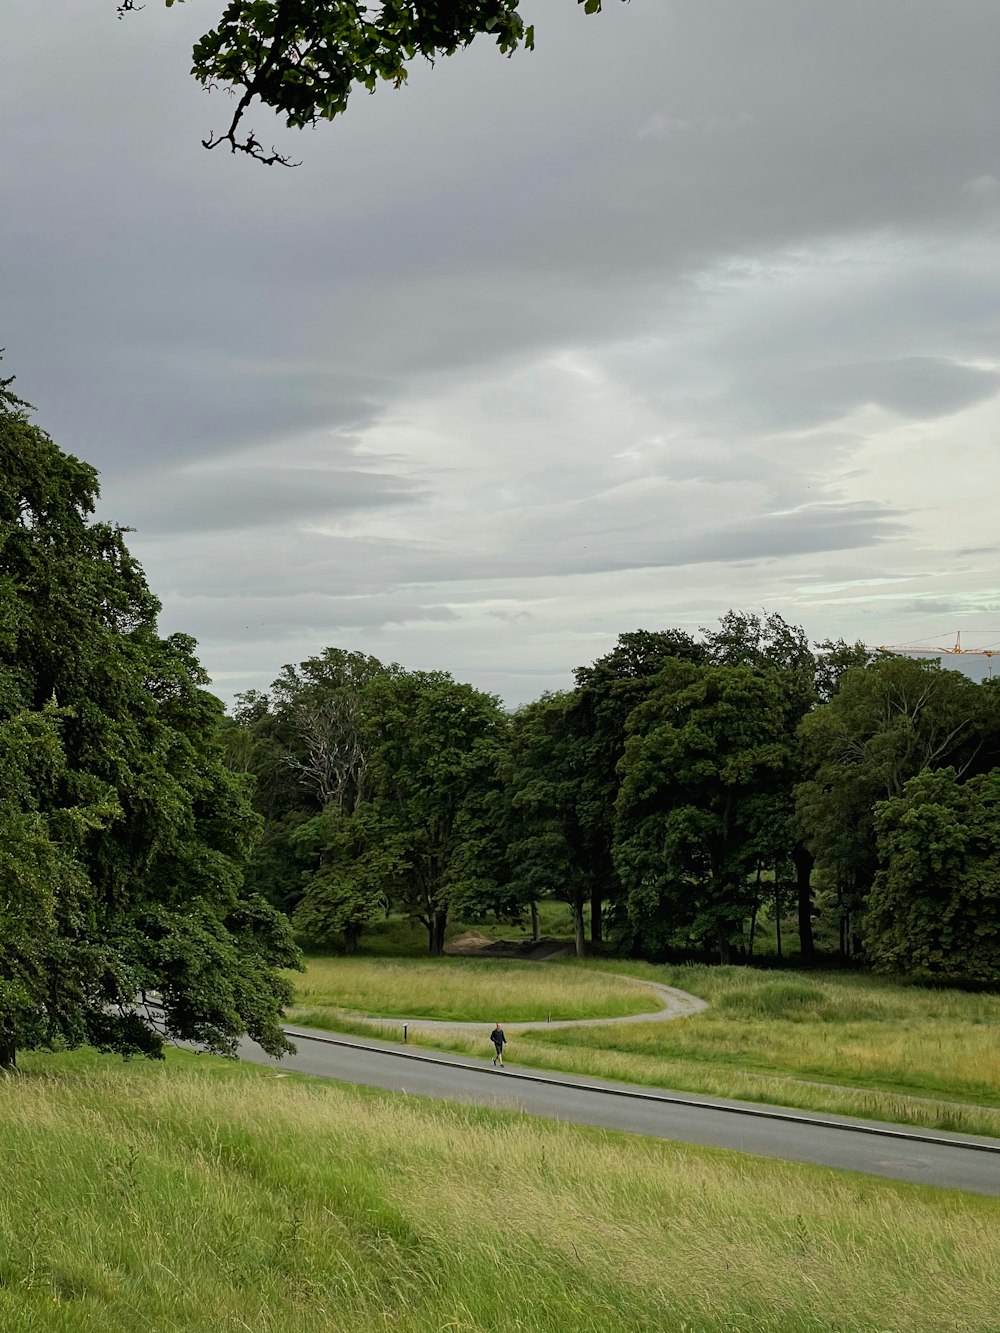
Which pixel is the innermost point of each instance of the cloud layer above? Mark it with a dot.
(697, 306)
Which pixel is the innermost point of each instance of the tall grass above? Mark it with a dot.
(461, 990)
(826, 1041)
(849, 1028)
(198, 1198)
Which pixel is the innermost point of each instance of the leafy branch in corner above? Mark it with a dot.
(303, 58)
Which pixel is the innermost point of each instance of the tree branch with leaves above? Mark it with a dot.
(304, 58)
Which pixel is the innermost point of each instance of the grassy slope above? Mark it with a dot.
(461, 989)
(925, 1057)
(203, 1198)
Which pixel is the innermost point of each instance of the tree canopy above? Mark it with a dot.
(705, 763)
(934, 911)
(548, 851)
(379, 786)
(304, 58)
(123, 833)
(886, 723)
(684, 791)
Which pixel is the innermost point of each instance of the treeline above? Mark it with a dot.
(681, 791)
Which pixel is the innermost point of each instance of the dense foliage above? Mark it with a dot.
(123, 833)
(705, 763)
(683, 791)
(379, 787)
(934, 910)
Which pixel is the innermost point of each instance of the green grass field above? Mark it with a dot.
(896, 1052)
(460, 989)
(203, 1197)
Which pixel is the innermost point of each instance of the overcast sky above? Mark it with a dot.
(696, 307)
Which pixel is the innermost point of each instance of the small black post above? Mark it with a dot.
(405, 1037)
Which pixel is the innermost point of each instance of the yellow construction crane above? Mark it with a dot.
(989, 652)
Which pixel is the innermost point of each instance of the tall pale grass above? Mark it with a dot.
(463, 990)
(826, 1041)
(870, 1032)
(199, 1198)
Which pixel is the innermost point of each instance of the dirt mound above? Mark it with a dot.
(473, 941)
(474, 944)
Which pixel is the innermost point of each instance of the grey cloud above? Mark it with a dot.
(361, 569)
(913, 386)
(165, 306)
(415, 240)
(931, 606)
(826, 527)
(293, 562)
(984, 189)
(807, 315)
(254, 618)
(251, 497)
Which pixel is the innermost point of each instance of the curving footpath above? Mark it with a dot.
(674, 1003)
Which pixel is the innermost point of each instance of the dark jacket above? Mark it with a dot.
(498, 1039)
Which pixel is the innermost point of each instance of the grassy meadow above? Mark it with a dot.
(460, 990)
(827, 1041)
(206, 1197)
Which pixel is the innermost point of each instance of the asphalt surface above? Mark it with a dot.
(901, 1152)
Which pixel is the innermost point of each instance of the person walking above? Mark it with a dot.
(499, 1042)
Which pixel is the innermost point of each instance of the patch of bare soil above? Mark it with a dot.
(473, 941)
(473, 944)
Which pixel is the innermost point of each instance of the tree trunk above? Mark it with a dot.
(596, 918)
(777, 922)
(8, 1056)
(535, 932)
(840, 907)
(753, 914)
(438, 923)
(803, 860)
(352, 938)
(579, 937)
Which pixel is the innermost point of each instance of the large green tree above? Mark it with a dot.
(607, 692)
(934, 910)
(770, 643)
(358, 867)
(308, 742)
(123, 834)
(886, 723)
(704, 755)
(435, 779)
(548, 848)
(304, 58)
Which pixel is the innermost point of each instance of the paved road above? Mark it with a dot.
(957, 1161)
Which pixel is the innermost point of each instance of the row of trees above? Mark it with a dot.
(680, 788)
